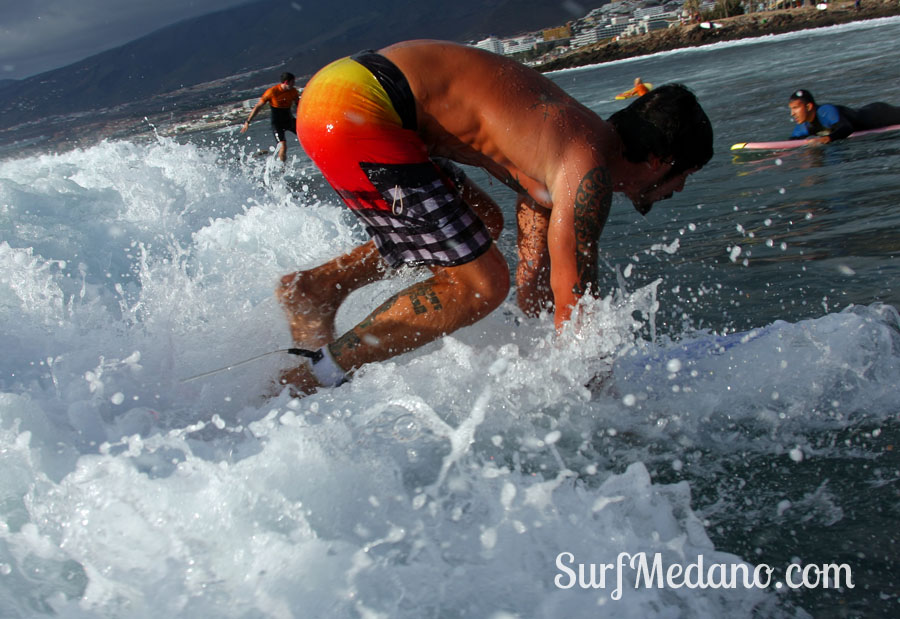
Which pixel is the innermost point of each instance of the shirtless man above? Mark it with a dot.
(374, 124)
(282, 98)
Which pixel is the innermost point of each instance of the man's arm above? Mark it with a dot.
(253, 113)
(800, 132)
(834, 119)
(573, 238)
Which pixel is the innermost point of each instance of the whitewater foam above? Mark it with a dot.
(441, 483)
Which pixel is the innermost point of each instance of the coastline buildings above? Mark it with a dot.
(617, 19)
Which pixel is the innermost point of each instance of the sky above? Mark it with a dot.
(40, 35)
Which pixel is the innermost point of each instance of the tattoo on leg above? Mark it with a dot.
(418, 296)
(592, 202)
(381, 309)
(417, 305)
(348, 341)
(424, 292)
(353, 338)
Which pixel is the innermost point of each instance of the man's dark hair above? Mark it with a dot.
(802, 95)
(667, 122)
(287, 77)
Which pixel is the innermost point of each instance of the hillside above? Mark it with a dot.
(268, 36)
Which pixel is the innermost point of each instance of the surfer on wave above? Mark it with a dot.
(282, 98)
(374, 123)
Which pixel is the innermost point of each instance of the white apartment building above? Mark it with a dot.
(588, 36)
(649, 11)
(520, 44)
(491, 44)
(609, 21)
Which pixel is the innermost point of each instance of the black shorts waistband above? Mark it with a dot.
(394, 83)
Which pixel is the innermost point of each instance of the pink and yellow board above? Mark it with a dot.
(785, 144)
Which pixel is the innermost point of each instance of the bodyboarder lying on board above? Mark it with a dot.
(376, 124)
(825, 123)
(639, 90)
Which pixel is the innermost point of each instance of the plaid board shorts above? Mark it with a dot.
(428, 222)
(357, 122)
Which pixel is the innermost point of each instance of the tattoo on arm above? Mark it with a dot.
(592, 202)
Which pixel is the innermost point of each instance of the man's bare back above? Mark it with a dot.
(490, 111)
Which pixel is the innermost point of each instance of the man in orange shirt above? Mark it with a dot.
(281, 97)
(640, 89)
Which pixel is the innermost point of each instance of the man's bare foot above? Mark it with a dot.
(300, 379)
(310, 313)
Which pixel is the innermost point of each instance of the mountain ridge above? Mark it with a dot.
(270, 34)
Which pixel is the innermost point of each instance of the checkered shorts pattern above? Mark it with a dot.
(357, 121)
(428, 224)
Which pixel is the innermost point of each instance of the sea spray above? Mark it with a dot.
(443, 481)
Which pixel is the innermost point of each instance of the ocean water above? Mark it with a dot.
(733, 399)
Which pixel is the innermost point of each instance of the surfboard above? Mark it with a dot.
(702, 347)
(652, 365)
(786, 144)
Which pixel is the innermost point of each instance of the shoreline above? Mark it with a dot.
(748, 26)
(187, 111)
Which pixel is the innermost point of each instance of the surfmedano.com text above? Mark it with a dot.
(653, 573)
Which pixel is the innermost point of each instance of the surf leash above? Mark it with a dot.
(300, 352)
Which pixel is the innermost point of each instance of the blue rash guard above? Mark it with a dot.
(832, 120)
(838, 121)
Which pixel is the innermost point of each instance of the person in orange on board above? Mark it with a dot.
(640, 89)
(282, 97)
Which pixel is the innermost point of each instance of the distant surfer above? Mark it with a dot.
(826, 123)
(282, 98)
(375, 122)
(640, 89)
